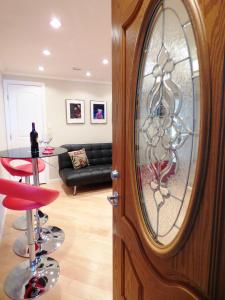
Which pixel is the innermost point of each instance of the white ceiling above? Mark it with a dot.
(83, 40)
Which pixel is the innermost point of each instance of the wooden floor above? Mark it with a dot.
(85, 258)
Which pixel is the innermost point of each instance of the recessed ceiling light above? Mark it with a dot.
(55, 23)
(41, 68)
(105, 61)
(88, 73)
(46, 52)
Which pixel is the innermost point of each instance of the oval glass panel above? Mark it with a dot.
(167, 121)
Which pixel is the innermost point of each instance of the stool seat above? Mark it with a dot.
(22, 170)
(19, 204)
(28, 193)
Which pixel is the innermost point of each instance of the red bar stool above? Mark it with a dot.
(35, 277)
(25, 171)
(47, 239)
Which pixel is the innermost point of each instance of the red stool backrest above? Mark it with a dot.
(29, 192)
(21, 170)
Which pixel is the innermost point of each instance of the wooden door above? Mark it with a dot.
(24, 104)
(168, 146)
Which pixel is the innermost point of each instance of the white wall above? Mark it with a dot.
(56, 91)
(2, 146)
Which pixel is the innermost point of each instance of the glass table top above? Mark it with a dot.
(26, 153)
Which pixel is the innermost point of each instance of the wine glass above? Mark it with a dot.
(46, 140)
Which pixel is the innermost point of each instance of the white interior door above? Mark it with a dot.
(24, 104)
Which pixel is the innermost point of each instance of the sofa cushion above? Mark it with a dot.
(88, 175)
(79, 158)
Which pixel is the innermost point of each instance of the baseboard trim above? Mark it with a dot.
(55, 179)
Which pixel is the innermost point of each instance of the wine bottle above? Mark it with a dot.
(34, 140)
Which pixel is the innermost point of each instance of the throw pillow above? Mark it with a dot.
(79, 158)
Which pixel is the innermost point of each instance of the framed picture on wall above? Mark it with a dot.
(74, 111)
(98, 112)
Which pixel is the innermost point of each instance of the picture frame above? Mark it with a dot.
(75, 111)
(98, 112)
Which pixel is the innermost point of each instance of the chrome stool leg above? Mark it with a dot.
(21, 222)
(47, 240)
(41, 218)
(32, 278)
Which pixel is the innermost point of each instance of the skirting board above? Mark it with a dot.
(55, 179)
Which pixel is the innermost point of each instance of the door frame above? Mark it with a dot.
(6, 83)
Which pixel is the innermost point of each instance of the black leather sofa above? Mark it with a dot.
(98, 170)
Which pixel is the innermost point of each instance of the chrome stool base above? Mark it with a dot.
(23, 283)
(52, 238)
(21, 222)
(43, 218)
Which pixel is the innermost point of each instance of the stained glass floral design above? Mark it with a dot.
(164, 134)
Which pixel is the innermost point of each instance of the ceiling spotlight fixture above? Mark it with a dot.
(88, 73)
(41, 68)
(46, 52)
(55, 23)
(105, 61)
